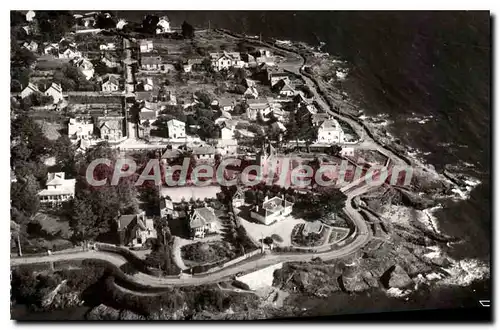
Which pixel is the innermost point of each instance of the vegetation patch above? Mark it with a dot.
(206, 252)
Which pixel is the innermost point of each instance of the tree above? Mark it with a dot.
(335, 150)
(64, 152)
(24, 195)
(268, 240)
(187, 30)
(83, 221)
(105, 21)
(149, 24)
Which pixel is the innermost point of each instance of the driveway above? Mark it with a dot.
(282, 228)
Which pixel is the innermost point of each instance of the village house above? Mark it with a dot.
(80, 128)
(108, 46)
(32, 46)
(148, 85)
(30, 15)
(319, 118)
(251, 92)
(271, 210)
(28, 90)
(203, 221)
(110, 128)
(226, 104)
(176, 129)
(146, 46)
(148, 113)
(238, 197)
(135, 229)
(151, 63)
(226, 60)
(249, 60)
(226, 132)
(110, 83)
(284, 88)
(163, 26)
(169, 97)
(255, 106)
(86, 67)
(330, 132)
(55, 90)
(166, 207)
(70, 53)
(51, 49)
(347, 152)
(110, 60)
(275, 77)
(58, 190)
(204, 153)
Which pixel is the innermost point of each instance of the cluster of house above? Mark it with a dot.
(54, 90)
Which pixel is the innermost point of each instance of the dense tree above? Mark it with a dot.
(187, 30)
(64, 153)
(84, 222)
(53, 25)
(105, 21)
(24, 195)
(149, 24)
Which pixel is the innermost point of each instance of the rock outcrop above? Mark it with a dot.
(396, 277)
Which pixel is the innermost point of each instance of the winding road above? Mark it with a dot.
(362, 234)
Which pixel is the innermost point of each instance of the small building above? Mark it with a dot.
(110, 60)
(347, 152)
(30, 15)
(32, 46)
(251, 92)
(176, 129)
(28, 90)
(108, 46)
(147, 114)
(238, 197)
(206, 153)
(163, 26)
(55, 90)
(319, 118)
(276, 76)
(146, 46)
(226, 60)
(80, 128)
(110, 83)
(58, 190)
(203, 221)
(227, 133)
(272, 210)
(330, 132)
(110, 128)
(285, 89)
(151, 63)
(226, 104)
(70, 53)
(86, 67)
(135, 229)
(148, 84)
(166, 207)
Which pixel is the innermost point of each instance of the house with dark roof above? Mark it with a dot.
(110, 60)
(203, 221)
(135, 229)
(110, 128)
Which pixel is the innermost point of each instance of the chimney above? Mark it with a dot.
(257, 208)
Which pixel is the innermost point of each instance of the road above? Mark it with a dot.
(363, 234)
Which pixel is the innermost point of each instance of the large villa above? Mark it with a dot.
(272, 210)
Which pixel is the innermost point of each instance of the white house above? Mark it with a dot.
(70, 53)
(30, 15)
(176, 129)
(58, 189)
(55, 90)
(347, 151)
(32, 46)
(149, 85)
(108, 46)
(86, 67)
(227, 133)
(163, 26)
(28, 90)
(226, 104)
(146, 46)
(110, 128)
(226, 60)
(80, 128)
(203, 221)
(272, 210)
(287, 90)
(330, 132)
(110, 83)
